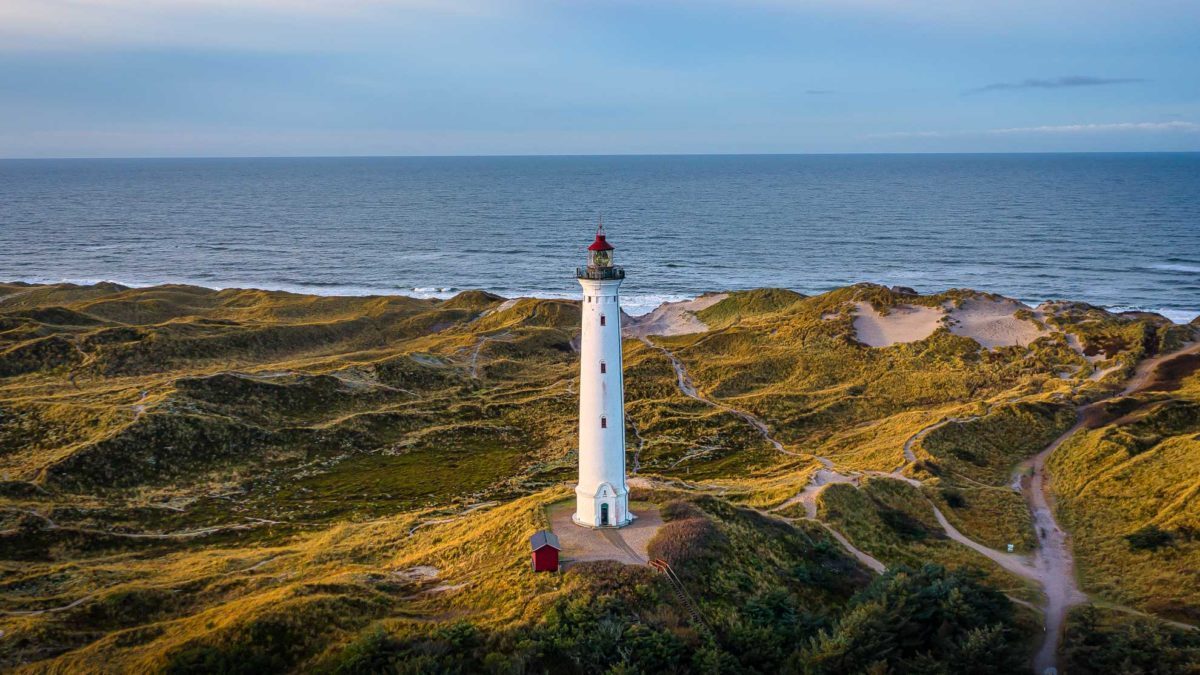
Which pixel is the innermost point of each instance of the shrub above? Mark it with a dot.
(955, 499)
(926, 620)
(680, 509)
(688, 545)
(1131, 646)
(1150, 537)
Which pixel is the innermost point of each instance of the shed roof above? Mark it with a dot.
(543, 538)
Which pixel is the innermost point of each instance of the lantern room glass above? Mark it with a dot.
(600, 258)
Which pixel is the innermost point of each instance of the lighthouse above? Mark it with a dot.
(601, 497)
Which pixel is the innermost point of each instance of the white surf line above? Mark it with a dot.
(686, 386)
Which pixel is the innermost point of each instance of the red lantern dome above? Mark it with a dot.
(601, 244)
(600, 260)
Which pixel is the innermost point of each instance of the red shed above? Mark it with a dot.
(545, 547)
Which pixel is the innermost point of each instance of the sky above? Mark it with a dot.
(147, 78)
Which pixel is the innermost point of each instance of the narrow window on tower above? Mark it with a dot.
(602, 319)
(603, 368)
(603, 422)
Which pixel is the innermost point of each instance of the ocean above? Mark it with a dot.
(1118, 230)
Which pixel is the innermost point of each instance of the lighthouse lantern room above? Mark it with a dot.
(601, 497)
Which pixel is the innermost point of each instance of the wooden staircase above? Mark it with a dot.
(684, 598)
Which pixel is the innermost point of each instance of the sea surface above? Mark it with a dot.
(1119, 230)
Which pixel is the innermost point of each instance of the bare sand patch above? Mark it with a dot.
(1095, 360)
(902, 323)
(671, 318)
(418, 573)
(993, 323)
(507, 304)
(628, 544)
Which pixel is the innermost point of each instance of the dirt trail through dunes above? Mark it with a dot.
(1054, 560)
(13, 296)
(808, 496)
(863, 557)
(1052, 566)
(685, 385)
(479, 347)
(48, 525)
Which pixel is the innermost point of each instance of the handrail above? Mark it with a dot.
(684, 597)
(600, 273)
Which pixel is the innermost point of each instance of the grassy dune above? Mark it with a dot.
(199, 480)
(1129, 491)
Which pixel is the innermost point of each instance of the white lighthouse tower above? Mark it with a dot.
(601, 497)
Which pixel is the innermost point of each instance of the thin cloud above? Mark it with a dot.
(1113, 127)
(1064, 82)
(1102, 128)
(35, 25)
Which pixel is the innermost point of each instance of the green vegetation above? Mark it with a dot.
(1127, 491)
(985, 449)
(1103, 642)
(893, 521)
(924, 620)
(248, 481)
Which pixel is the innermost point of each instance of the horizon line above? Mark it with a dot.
(617, 154)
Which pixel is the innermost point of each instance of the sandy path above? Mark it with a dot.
(460, 514)
(12, 296)
(479, 347)
(808, 496)
(863, 557)
(822, 478)
(48, 610)
(1052, 566)
(684, 381)
(49, 524)
(1012, 563)
(1055, 560)
(641, 443)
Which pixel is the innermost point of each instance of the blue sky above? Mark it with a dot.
(85, 78)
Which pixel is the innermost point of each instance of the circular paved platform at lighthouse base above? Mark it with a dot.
(626, 544)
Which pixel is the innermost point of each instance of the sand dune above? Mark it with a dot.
(671, 318)
(992, 323)
(904, 323)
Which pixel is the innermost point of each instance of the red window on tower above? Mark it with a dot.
(603, 368)
(602, 319)
(603, 422)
